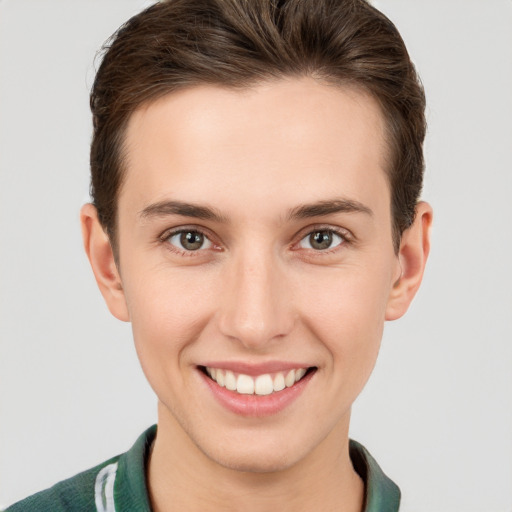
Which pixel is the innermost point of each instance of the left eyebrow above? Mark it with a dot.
(328, 207)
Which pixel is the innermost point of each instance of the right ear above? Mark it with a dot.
(99, 251)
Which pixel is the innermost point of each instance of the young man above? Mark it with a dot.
(256, 167)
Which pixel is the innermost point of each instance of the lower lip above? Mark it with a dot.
(257, 405)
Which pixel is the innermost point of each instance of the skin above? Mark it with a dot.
(257, 290)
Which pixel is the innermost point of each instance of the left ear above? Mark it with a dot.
(413, 254)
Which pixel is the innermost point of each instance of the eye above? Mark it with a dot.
(321, 239)
(189, 240)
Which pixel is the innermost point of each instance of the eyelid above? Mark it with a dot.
(206, 242)
(344, 233)
(170, 232)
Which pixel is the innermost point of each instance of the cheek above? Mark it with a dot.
(346, 313)
(345, 298)
(168, 311)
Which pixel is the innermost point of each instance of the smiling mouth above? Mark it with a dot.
(265, 384)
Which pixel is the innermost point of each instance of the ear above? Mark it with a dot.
(99, 251)
(413, 254)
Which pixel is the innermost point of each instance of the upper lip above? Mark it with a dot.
(254, 369)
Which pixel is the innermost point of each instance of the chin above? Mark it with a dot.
(257, 458)
(250, 463)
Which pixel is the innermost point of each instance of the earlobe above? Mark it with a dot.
(99, 251)
(413, 254)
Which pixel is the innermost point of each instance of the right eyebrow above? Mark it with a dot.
(165, 208)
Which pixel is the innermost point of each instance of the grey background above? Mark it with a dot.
(437, 412)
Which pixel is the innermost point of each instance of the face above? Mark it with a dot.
(256, 263)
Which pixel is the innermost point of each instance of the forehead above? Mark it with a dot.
(281, 140)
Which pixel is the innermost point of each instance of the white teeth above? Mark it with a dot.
(219, 377)
(261, 385)
(299, 374)
(230, 380)
(245, 385)
(279, 382)
(290, 378)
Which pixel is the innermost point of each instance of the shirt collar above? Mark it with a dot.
(381, 493)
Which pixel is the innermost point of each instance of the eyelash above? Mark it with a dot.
(346, 239)
(167, 235)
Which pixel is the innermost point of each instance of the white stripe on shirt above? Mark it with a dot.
(104, 489)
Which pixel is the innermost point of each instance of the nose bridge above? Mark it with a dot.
(256, 303)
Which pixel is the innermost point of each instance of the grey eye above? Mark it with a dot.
(190, 240)
(321, 240)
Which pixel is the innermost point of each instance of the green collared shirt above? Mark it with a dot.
(119, 485)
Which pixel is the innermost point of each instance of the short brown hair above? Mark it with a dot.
(237, 43)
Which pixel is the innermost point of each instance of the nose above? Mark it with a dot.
(256, 301)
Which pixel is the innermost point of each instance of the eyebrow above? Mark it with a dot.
(329, 207)
(164, 208)
(318, 209)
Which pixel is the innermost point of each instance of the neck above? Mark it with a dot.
(182, 477)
